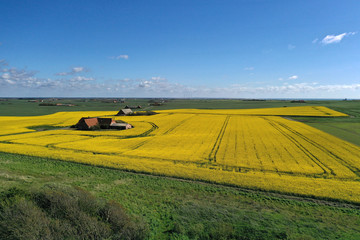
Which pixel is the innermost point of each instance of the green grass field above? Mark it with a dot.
(179, 209)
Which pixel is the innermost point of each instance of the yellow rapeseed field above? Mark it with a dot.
(285, 111)
(251, 148)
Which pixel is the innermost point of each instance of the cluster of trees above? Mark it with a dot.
(47, 104)
(142, 113)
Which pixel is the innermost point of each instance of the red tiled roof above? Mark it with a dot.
(91, 122)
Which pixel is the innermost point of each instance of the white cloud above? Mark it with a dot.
(21, 82)
(249, 68)
(333, 39)
(154, 83)
(73, 71)
(302, 90)
(291, 47)
(5, 75)
(329, 39)
(10, 81)
(81, 79)
(293, 77)
(78, 69)
(145, 84)
(14, 76)
(124, 56)
(158, 79)
(315, 40)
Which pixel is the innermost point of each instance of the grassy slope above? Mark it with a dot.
(179, 208)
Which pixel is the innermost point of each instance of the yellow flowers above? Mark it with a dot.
(252, 148)
(318, 111)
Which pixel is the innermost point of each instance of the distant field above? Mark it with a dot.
(22, 107)
(256, 149)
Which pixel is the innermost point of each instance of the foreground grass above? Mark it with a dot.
(176, 209)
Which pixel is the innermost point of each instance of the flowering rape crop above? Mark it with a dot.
(251, 148)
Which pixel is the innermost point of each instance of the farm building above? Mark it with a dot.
(89, 122)
(103, 123)
(124, 112)
(156, 104)
(132, 107)
(122, 126)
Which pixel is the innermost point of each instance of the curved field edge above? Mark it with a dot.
(338, 190)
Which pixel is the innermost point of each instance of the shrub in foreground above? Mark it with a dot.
(64, 213)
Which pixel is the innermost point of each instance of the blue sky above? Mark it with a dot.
(236, 49)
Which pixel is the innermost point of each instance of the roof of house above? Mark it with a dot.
(105, 121)
(90, 122)
(93, 121)
(125, 111)
(120, 124)
(86, 123)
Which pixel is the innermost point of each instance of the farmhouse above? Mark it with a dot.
(133, 107)
(121, 126)
(156, 104)
(100, 123)
(89, 122)
(124, 112)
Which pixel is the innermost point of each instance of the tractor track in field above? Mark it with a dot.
(203, 164)
(311, 156)
(353, 169)
(215, 149)
(178, 125)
